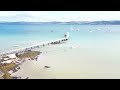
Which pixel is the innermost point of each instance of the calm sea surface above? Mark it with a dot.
(88, 36)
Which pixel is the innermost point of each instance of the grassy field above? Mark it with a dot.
(30, 54)
(6, 68)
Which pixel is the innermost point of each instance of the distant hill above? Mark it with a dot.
(29, 23)
(66, 23)
(96, 23)
(105, 23)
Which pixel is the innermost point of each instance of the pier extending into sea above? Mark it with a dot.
(22, 50)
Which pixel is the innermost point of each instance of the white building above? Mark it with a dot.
(13, 56)
(10, 72)
(1, 74)
(8, 61)
(6, 58)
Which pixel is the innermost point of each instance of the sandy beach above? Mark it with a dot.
(72, 63)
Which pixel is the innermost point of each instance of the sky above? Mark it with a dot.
(47, 16)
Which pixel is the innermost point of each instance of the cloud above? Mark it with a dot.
(25, 16)
(37, 16)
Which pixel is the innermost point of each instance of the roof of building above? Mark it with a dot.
(12, 56)
(8, 61)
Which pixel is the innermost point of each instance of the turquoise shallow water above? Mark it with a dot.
(88, 36)
(97, 54)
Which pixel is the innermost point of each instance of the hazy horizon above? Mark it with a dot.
(56, 21)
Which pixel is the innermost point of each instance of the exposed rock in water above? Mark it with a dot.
(27, 77)
(46, 66)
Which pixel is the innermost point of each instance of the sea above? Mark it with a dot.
(97, 55)
(95, 36)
